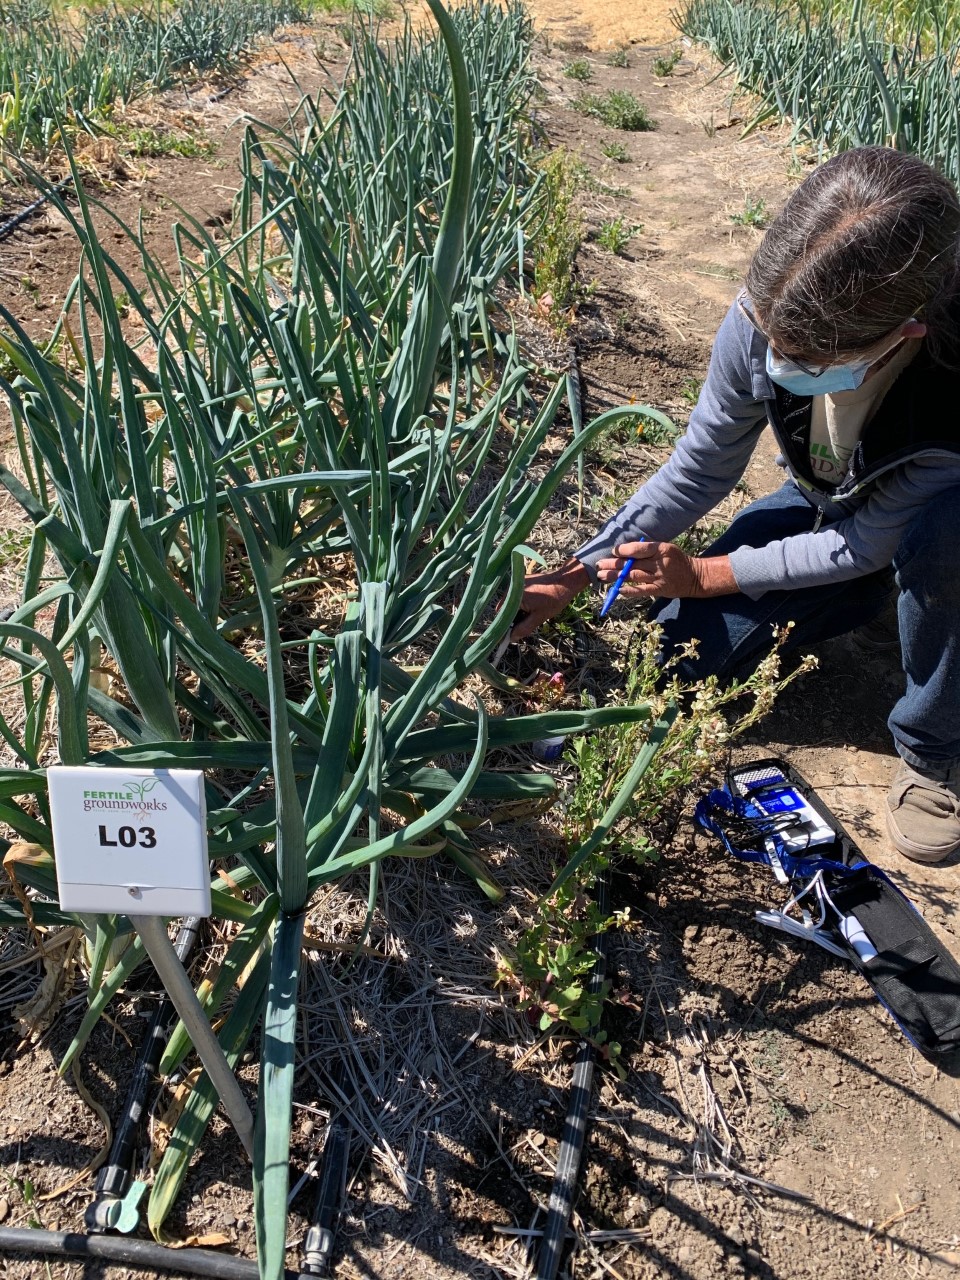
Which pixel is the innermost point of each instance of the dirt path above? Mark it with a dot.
(823, 1145)
(603, 25)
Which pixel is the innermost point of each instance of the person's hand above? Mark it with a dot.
(547, 594)
(662, 569)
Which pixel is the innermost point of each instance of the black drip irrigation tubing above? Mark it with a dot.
(321, 1238)
(134, 1253)
(564, 1190)
(113, 1178)
(7, 228)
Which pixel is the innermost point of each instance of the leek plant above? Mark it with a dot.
(838, 75)
(323, 400)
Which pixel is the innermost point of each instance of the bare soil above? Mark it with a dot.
(604, 25)
(772, 1121)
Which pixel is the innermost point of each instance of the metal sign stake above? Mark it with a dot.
(138, 837)
(157, 944)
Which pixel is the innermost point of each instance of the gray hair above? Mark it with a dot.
(869, 240)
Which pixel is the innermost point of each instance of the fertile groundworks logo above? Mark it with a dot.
(132, 799)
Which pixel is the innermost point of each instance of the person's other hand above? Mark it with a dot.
(661, 569)
(547, 594)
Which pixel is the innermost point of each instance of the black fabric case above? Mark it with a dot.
(913, 974)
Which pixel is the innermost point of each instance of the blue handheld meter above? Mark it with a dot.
(780, 800)
(774, 796)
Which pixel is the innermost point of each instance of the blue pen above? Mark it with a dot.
(614, 591)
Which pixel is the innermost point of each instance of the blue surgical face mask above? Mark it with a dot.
(834, 378)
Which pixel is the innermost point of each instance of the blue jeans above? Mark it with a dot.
(735, 631)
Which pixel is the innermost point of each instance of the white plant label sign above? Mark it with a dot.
(130, 841)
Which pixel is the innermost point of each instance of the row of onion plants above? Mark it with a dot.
(57, 73)
(839, 75)
(323, 405)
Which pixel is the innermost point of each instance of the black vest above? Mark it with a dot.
(918, 415)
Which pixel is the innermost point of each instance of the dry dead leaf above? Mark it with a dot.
(212, 1240)
(37, 1013)
(168, 1121)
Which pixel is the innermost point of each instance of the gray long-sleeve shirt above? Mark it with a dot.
(860, 533)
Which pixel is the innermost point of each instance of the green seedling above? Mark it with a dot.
(615, 234)
(615, 151)
(659, 434)
(25, 1188)
(664, 66)
(690, 390)
(753, 214)
(697, 539)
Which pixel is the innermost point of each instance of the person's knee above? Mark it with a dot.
(780, 514)
(926, 560)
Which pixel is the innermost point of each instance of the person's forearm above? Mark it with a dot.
(573, 575)
(707, 462)
(856, 545)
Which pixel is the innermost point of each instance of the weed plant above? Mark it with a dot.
(661, 433)
(690, 390)
(618, 108)
(549, 969)
(559, 236)
(579, 69)
(145, 141)
(753, 214)
(618, 58)
(615, 151)
(382, 9)
(664, 66)
(695, 540)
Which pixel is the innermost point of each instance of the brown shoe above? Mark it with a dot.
(923, 812)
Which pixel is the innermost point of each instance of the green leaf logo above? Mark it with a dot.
(138, 792)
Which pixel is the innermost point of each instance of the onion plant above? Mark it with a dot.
(323, 400)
